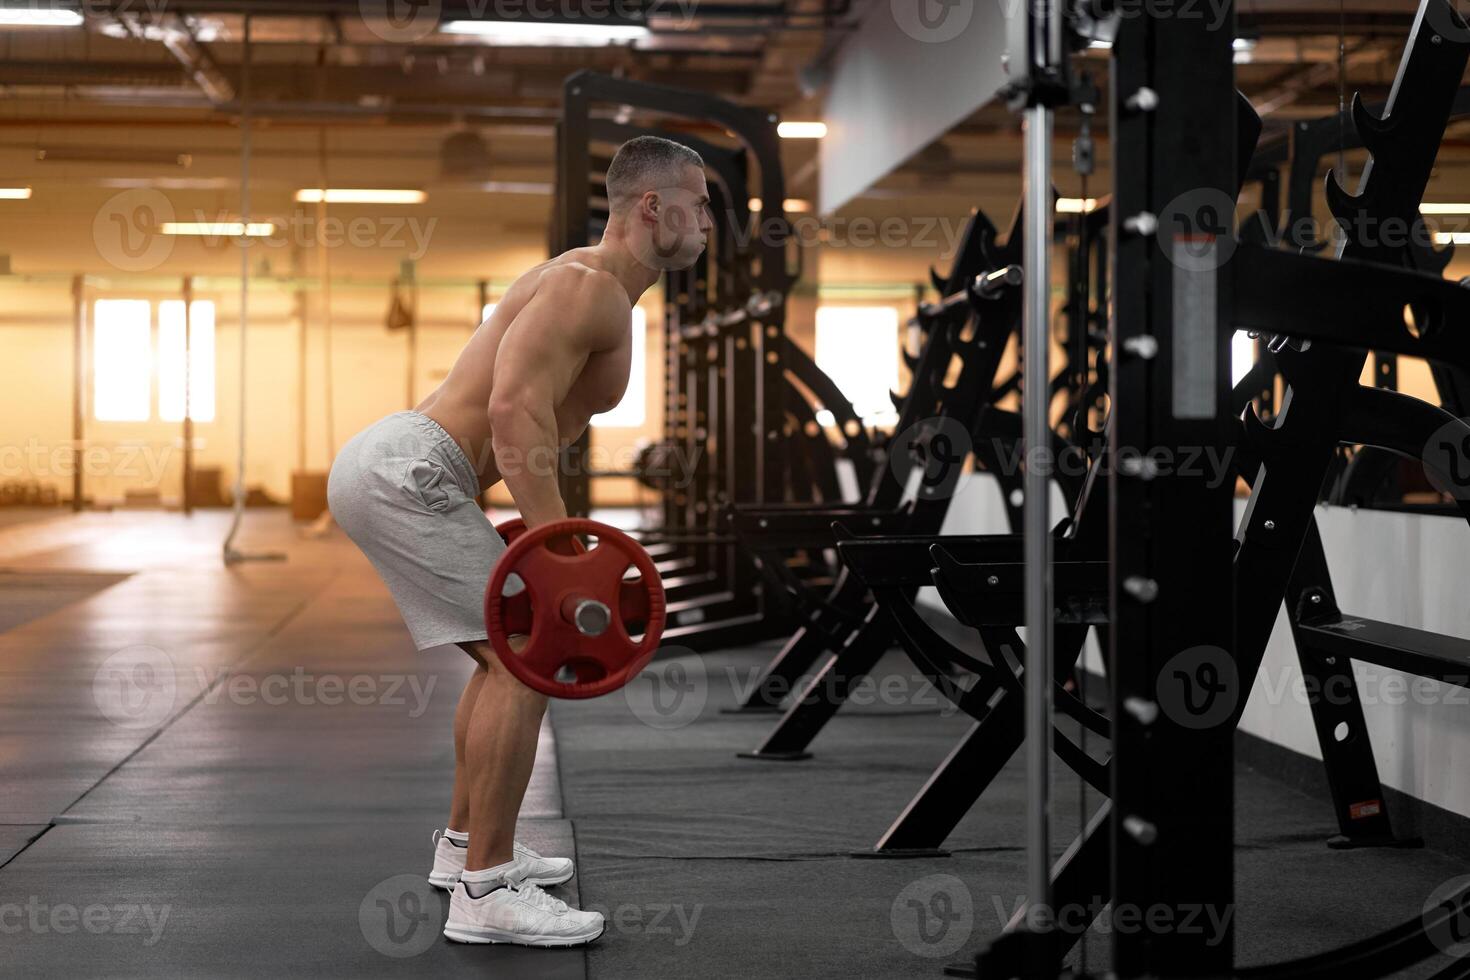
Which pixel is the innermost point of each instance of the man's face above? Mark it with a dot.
(672, 224)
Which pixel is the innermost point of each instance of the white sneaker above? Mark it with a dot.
(541, 870)
(520, 913)
(449, 864)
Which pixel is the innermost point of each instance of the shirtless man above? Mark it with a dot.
(556, 350)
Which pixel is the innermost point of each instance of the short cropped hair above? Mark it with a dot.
(646, 163)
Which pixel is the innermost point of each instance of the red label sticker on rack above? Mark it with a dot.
(1362, 811)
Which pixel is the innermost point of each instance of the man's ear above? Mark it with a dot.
(649, 206)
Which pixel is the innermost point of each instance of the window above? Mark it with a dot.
(122, 358)
(124, 365)
(1242, 356)
(171, 360)
(630, 412)
(857, 347)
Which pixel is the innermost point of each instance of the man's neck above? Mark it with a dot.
(634, 275)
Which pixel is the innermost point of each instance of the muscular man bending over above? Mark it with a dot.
(556, 351)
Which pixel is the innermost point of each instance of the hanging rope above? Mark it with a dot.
(326, 290)
(1342, 91)
(231, 555)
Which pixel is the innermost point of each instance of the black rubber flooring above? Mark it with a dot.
(215, 772)
(25, 596)
(234, 772)
(754, 857)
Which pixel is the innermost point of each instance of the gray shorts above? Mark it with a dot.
(405, 494)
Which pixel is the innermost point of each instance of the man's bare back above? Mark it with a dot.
(558, 347)
(574, 282)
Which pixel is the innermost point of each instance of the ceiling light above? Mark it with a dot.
(359, 195)
(801, 130)
(220, 229)
(1075, 205)
(15, 193)
(113, 155)
(792, 205)
(510, 187)
(38, 17)
(1444, 208)
(546, 34)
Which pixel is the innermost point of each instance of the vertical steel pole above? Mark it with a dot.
(301, 317)
(79, 387)
(1036, 323)
(412, 339)
(188, 293)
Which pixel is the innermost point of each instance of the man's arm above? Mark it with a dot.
(574, 313)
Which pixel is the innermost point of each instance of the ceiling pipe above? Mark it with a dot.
(469, 9)
(179, 39)
(1302, 82)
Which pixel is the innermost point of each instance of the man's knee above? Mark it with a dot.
(480, 652)
(497, 675)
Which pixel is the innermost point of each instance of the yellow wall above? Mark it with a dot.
(368, 377)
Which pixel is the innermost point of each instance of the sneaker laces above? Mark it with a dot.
(537, 897)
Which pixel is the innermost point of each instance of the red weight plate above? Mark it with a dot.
(602, 663)
(511, 529)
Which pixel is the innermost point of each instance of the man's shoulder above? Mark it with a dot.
(585, 288)
(571, 274)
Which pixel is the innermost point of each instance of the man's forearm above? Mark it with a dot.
(527, 457)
